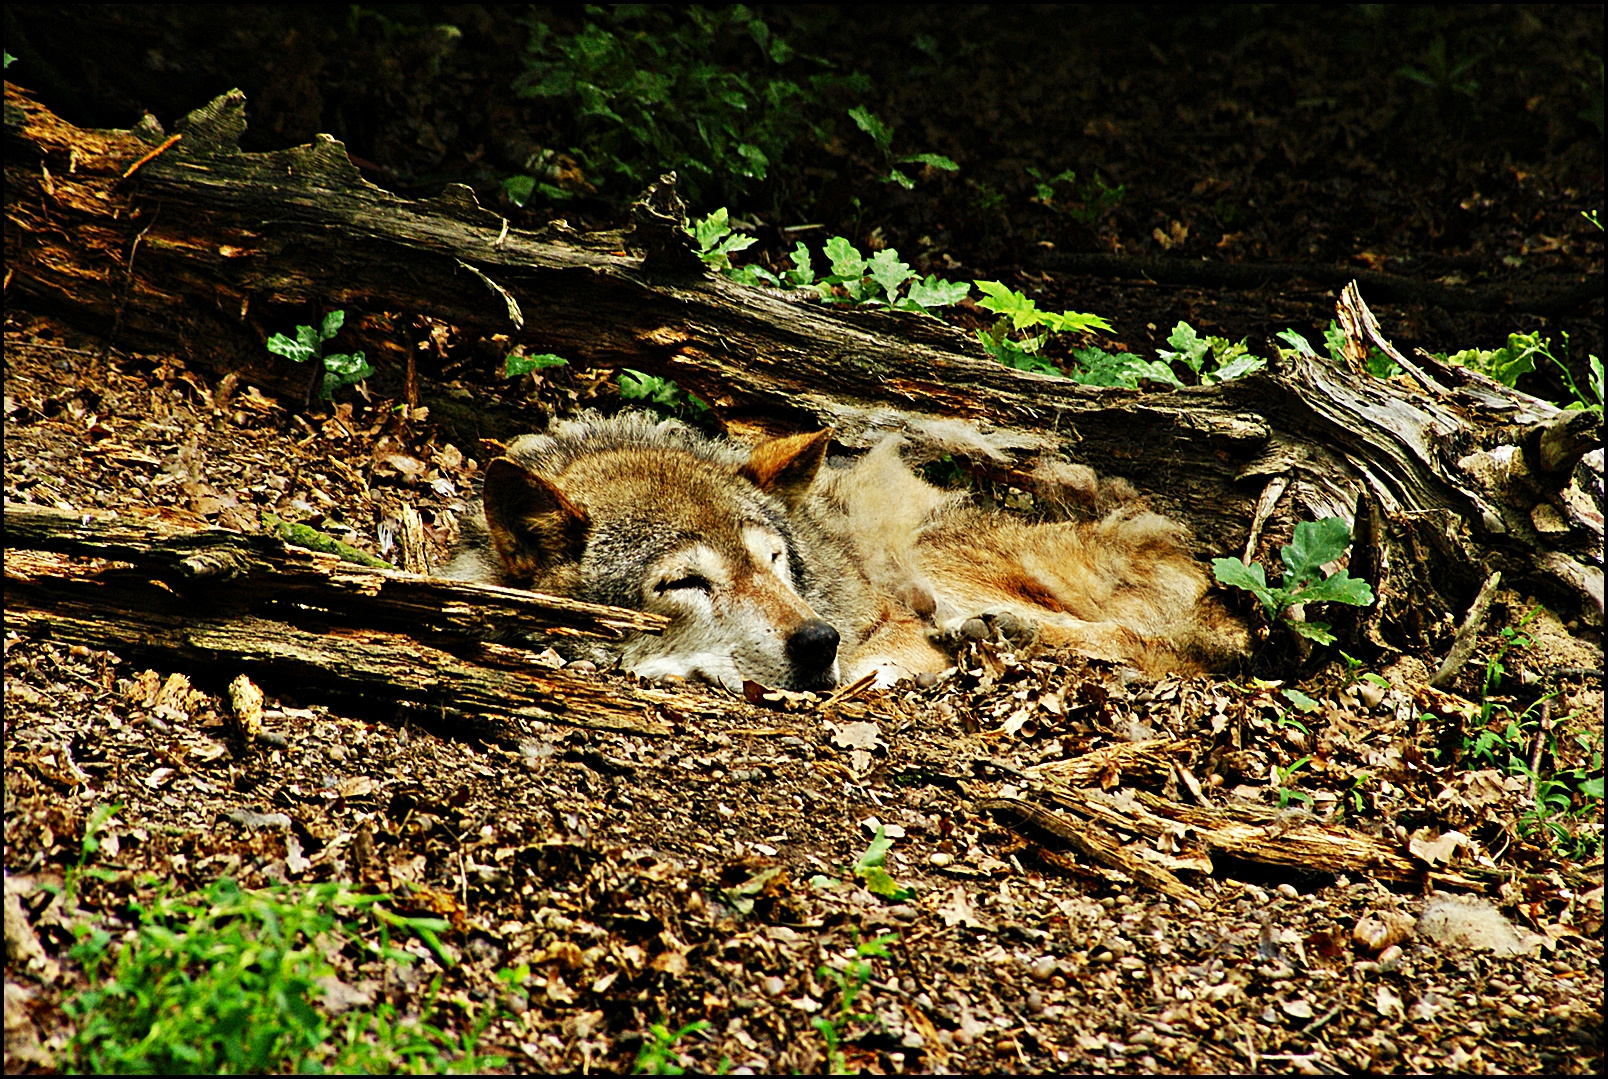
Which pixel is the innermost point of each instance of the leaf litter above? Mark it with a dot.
(630, 880)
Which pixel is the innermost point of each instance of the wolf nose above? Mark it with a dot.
(812, 646)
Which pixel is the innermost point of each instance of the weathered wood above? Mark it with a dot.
(179, 255)
(1250, 833)
(100, 607)
(234, 572)
(1022, 815)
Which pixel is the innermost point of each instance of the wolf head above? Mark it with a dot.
(649, 515)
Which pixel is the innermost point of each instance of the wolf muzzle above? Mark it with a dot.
(812, 649)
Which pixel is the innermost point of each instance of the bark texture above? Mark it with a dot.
(174, 243)
(219, 600)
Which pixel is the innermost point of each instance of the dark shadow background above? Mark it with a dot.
(1443, 144)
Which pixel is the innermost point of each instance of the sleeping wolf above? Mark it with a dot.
(775, 569)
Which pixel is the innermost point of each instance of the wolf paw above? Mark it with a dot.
(999, 627)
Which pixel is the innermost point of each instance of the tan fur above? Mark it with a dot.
(1122, 589)
(758, 556)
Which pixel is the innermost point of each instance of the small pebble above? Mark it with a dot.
(1288, 891)
(926, 679)
(940, 859)
(1042, 968)
(774, 986)
(580, 665)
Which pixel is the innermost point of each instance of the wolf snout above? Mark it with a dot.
(812, 647)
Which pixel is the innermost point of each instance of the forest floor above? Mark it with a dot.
(710, 874)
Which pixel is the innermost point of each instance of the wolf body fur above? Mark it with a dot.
(775, 569)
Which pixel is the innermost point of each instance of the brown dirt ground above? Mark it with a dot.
(615, 865)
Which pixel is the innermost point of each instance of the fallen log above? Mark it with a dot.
(184, 243)
(220, 602)
(1058, 810)
(234, 572)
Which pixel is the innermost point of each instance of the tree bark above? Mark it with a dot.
(222, 601)
(183, 244)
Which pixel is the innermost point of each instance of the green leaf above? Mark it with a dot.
(638, 386)
(733, 244)
(879, 882)
(516, 365)
(709, 230)
(1097, 367)
(1021, 355)
(301, 535)
(1022, 311)
(872, 125)
(1301, 701)
(1313, 544)
(1504, 364)
(332, 324)
(349, 366)
(935, 293)
(803, 272)
(1236, 574)
(937, 161)
(1315, 631)
(1338, 587)
(519, 189)
(281, 345)
(1296, 341)
(876, 947)
(1188, 347)
(1073, 322)
(1381, 365)
(896, 177)
(869, 868)
(888, 271)
(1238, 367)
(1518, 358)
(1377, 680)
(876, 852)
(847, 264)
(752, 275)
(343, 369)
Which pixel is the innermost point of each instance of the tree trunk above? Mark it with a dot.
(181, 243)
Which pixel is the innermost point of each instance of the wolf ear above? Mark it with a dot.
(533, 525)
(786, 467)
